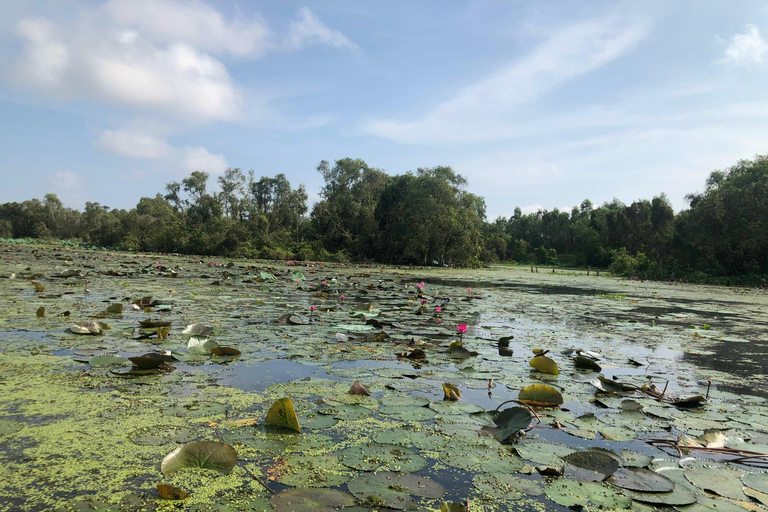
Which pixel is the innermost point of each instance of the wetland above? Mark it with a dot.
(660, 387)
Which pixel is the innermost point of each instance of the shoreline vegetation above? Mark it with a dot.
(425, 218)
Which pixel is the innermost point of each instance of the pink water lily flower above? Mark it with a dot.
(462, 328)
(438, 309)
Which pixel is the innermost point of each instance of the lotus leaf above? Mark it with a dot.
(283, 415)
(722, 480)
(504, 486)
(311, 500)
(545, 365)
(540, 394)
(643, 480)
(201, 454)
(370, 457)
(394, 490)
(570, 493)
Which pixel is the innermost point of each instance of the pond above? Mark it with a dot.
(613, 394)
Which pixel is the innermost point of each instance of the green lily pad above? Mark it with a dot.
(370, 457)
(540, 394)
(503, 486)
(393, 490)
(311, 500)
(283, 415)
(545, 365)
(643, 480)
(570, 493)
(201, 454)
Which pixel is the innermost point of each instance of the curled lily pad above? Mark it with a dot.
(451, 392)
(199, 345)
(197, 330)
(201, 454)
(359, 389)
(394, 490)
(311, 500)
(89, 327)
(586, 363)
(540, 394)
(153, 323)
(283, 415)
(150, 360)
(545, 365)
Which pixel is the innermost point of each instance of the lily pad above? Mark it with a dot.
(570, 493)
(643, 480)
(394, 490)
(283, 415)
(201, 454)
(545, 365)
(311, 500)
(540, 394)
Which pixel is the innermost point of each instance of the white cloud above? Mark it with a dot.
(147, 141)
(134, 142)
(197, 158)
(486, 110)
(191, 22)
(747, 49)
(69, 187)
(308, 30)
(45, 57)
(126, 69)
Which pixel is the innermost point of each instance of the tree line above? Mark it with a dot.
(425, 217)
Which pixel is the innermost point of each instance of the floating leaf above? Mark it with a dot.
(586, 363)
(452, 506)
(152, 323)
(756, 481)
(197, 330)
(722, 480)
(595, 461)
(394, 490)
(225, 351)
(540, 394)
(169, 492)
(570, 493)
(89, 328)
(40, 312)
(283, 415)
(359, 389)
(545, 365)
(451, 392)
(201, 454)
(511, 421)
(199, 345)
(638, 479)
(38, 287)
(150, 360)
(311, 500)
(679, 496)
(115, 308)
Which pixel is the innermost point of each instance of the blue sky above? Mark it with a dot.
(539, 104)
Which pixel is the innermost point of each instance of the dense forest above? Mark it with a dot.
(426, 217)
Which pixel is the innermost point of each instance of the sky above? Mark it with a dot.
(538, 104)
